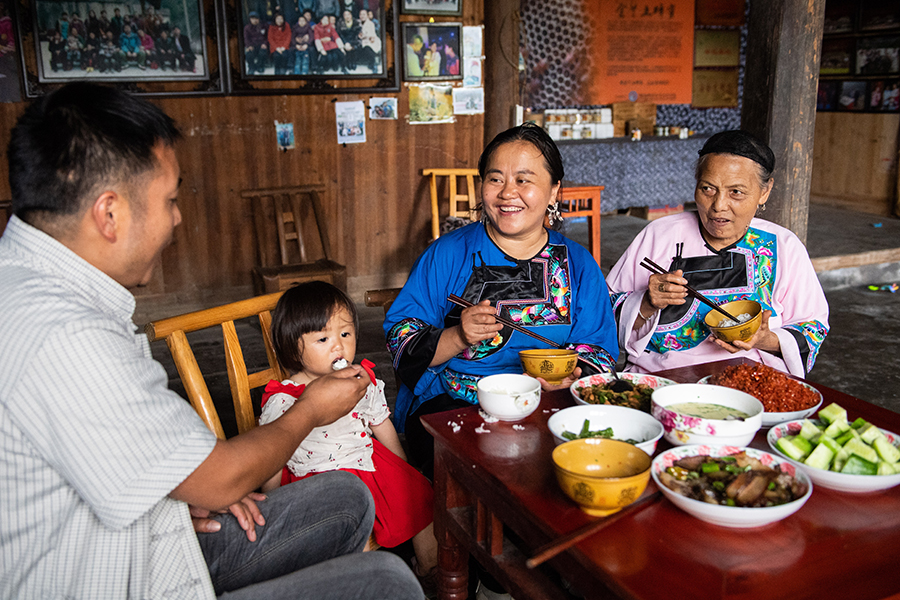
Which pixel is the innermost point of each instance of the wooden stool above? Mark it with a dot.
(469, 200)
(301, 253)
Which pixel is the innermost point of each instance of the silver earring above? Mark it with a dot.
(761, 208)
(553, 213)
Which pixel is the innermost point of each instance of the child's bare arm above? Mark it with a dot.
(385, 433)
(271, 484)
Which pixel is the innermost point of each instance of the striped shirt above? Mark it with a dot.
(91, 440)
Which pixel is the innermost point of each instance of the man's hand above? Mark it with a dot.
(332, 396)
(245, 511)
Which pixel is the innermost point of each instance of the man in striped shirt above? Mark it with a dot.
(99, 461)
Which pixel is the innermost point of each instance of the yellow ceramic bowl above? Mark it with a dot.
(742, 332)
(602, 476)
(552, 365)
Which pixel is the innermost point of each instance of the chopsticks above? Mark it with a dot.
(466, 304)
(545, 553)
(655, 268)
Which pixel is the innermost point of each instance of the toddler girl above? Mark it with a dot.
(314, 329)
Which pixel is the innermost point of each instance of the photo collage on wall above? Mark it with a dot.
(442, 63)
(860, 65)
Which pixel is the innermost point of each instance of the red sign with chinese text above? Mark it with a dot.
(643, 51)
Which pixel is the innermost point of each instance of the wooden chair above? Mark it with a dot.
(469, 199)
(297, 249)
(173, 330)
(584, 201)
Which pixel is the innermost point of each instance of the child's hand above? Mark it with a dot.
(334, 395)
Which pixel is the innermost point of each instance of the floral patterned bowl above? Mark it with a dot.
(682, 429)
(729, 516)
(604, 378)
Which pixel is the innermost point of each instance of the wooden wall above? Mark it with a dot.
(377, 205)
(855, 161)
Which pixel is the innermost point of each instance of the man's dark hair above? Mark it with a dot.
(302, 309)
(79, 138)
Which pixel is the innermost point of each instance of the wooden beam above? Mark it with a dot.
(501, 65)
(784, 42)
(844, 261)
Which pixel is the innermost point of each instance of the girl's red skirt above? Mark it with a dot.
(404, 500)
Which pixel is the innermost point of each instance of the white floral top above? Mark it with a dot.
(344, 444)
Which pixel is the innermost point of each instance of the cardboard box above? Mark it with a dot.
(633, 115)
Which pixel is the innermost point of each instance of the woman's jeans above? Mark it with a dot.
(310, 547)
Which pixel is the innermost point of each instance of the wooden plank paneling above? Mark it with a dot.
(855, 160)
(375, 204)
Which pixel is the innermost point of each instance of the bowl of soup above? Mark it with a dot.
(693, 413)
(748, 313)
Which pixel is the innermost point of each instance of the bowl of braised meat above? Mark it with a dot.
(730, 486)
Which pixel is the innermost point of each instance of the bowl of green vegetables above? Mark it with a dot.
(840, 454)
(606, 421)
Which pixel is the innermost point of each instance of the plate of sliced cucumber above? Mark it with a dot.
(849, 456)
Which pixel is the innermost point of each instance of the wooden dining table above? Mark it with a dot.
(497, 499)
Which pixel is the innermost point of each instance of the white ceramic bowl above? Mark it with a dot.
(509, 397)
(681, 429)
(729, 516)
(603, 378)
(627, 424)
(842, 482)
(774, 418)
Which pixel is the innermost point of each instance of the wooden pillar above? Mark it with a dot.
(779, 105)
(501, 65)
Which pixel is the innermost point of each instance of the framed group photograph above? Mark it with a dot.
(311, 46)
(431, 51)
(156, 48)
(451, 8)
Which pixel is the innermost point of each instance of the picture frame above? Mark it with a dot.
(93, 49)
(878, 55)
(329, 64)
(448, 8)
(852, 96)
(431, 51)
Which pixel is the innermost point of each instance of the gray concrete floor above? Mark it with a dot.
(858, 356)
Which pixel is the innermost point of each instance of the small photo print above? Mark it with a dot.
(351, 122)
(383, 109)
(468, 101)
(472, 72)
(890, 99)
(472, 41)
(853, 95)
(826, 98)
(429, 103)
(284, 134)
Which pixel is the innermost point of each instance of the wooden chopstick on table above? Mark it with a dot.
(545, 553)
(655, 268)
